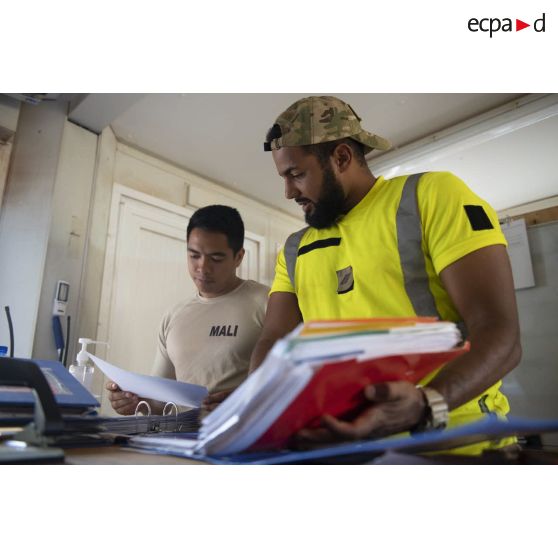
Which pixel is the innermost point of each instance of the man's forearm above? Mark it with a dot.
(282, 315)
(480, 286)
(263, 346)
(494, 352)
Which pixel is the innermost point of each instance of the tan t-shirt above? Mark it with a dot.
(209, 341)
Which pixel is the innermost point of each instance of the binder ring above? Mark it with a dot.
(170, 405)
(138, 408)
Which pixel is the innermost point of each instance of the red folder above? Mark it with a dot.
(337, 389)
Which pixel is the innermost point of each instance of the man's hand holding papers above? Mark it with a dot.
(212, 401)
(127, 387)
(123, 402)
(394, 407)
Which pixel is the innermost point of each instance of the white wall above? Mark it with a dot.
(92, 279)
(9, 114)
(25, 218)
(68, 230)
(5, 154)
(532, 388)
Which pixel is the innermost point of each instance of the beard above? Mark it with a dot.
(330, 203)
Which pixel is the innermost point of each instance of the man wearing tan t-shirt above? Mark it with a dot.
(208, 340)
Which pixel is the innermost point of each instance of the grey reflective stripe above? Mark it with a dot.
(291, 251)
(409, 238)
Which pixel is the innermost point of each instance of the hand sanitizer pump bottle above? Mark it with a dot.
(82, 370)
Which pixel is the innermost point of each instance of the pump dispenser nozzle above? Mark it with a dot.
(81, 370)
(82, 357)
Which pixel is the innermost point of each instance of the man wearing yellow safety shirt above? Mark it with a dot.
(418, 245)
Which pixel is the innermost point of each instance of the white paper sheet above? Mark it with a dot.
(160, 389)
(163, 444)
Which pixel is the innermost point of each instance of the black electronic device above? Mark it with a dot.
(49, 427)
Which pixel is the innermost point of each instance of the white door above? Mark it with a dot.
(253, 263)
(146, 274)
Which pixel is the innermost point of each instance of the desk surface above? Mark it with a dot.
(118, 456)
(115, 455)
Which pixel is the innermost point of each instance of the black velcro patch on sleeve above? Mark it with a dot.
(478, 218)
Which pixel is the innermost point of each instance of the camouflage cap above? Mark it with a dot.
(315, 120)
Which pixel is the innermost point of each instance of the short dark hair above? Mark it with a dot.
(323, 151)
(222, 219)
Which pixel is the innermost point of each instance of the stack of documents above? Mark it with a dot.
(321, 367)
(186, 421)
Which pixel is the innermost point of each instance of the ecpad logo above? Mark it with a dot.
(494, 24)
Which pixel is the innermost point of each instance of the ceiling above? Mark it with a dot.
(220, 136)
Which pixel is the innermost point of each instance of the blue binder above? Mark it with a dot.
(489, 428)
(68, 392)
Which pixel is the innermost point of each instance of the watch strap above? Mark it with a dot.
(436, 412)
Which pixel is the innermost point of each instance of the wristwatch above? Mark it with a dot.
(436, 410)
